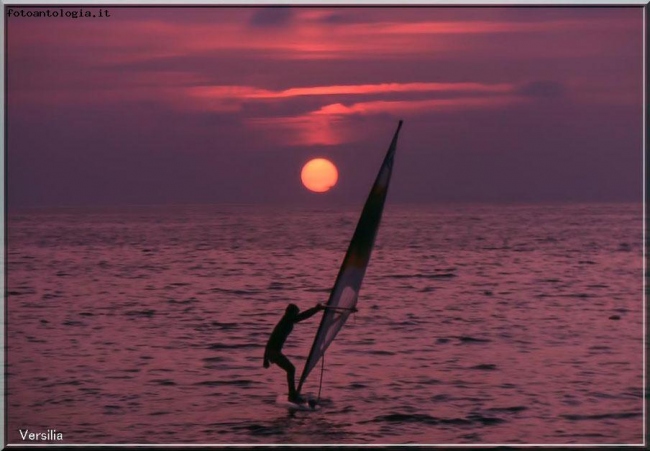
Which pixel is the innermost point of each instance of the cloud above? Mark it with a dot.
(331, 124)
(383, 88)
(334, 18)
(464, 27)
(273, 16)
(414, 106)
(250, 93)
(322, 115)
(313, 34)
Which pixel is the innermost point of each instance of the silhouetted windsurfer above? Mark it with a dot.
(273, 351)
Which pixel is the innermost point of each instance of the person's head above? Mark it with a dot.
(292, 310)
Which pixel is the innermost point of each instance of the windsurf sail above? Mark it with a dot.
(343, 297)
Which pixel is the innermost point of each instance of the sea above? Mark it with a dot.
(476, 324)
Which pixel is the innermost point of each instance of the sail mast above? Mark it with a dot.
(343, 297)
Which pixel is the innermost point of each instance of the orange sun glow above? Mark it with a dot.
(319, 175)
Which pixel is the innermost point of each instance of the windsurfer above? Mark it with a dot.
(273, 351)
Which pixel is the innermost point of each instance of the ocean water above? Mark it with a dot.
(476, 325)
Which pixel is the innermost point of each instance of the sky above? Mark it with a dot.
(219, 105)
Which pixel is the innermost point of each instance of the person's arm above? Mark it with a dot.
(309, 313)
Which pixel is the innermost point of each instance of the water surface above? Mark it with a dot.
(476, 324)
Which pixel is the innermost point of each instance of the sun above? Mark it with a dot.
(319, 175)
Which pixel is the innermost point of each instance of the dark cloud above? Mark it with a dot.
(543, 89)
(337, 18)
(274, 16)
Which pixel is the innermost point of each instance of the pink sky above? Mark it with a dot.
(499, 104)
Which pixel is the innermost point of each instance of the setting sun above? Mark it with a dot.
(319, 175)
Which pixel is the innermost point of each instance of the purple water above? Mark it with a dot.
(476, 324)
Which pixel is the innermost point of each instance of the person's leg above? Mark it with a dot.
(287, 366)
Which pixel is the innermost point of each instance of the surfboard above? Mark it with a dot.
(310, 403)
